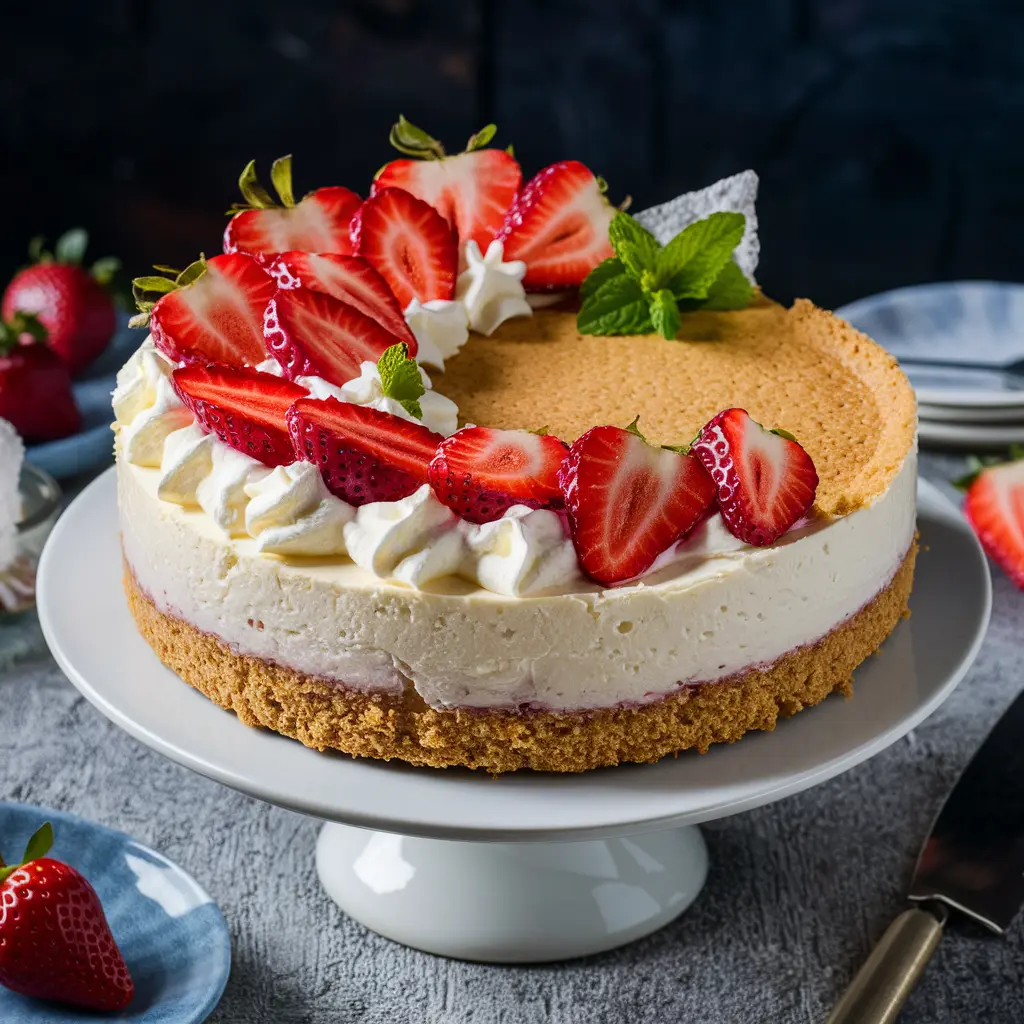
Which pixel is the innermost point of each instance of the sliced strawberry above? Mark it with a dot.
(479, 472)
(410, 243)
(559, 226)
(472, 190)
(363, 454)
(212, 312)
(244, 408)
(317, 223)
(995, 510)
(628, 501)
(314, 334)
(348, 278)
(765, 481)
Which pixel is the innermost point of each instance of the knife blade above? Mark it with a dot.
(973, 859)
(972, 862)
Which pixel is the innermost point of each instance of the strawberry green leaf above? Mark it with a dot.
(413, 141)
(665, 314)
(731, 289)
(70, 247)
(481, 138)
(600, 275)
(691, 261)
(779, 432)
(633, 244)
(104, 269)
(634, 429)
(40, 843)
(400, 378)
(281, 176)
(255, 195)
(619, 306)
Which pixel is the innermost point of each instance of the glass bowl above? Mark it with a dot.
(40, 507)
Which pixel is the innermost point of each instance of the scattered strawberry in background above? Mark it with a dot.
(243, 407)
(472, 190)
(629, 501)
(314, 334)
(35, 384)
(348, 278)
(211, 311)
(994, 506)
(409, 243)
(72, 303)
(319, 222)
(766, 482)
(364, 454)
(55, 942)
(559, 224)
(480, 472)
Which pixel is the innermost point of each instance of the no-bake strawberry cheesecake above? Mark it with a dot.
(490, 473)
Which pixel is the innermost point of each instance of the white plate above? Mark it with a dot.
(969, 436)
(974, 321)
(971, 415)
(91, 633)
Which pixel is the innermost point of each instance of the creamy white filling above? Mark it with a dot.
(715, 610)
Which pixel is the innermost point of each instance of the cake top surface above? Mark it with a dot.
(800, 369)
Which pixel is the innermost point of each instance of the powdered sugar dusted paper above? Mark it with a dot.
(736, 195)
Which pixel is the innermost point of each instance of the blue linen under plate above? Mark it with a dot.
(962, 321)
(92, 447)
(173, 937)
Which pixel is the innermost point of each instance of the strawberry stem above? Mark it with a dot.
(38, 846)
(14, 329)
(148, 290)
(415, 142)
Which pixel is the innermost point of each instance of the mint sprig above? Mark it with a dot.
(646, 285)
(400, 378)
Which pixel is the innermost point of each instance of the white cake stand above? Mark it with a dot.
(531, 866)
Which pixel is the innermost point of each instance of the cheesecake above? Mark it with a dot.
(450, 508)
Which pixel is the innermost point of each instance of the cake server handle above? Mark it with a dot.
(881, 986)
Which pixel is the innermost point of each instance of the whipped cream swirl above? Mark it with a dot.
(491, 289)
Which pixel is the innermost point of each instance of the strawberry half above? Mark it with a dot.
(348, 278)
(559, 226)
(765, 480)
(628, 501)
(317, 223)
(212, 311)
(314, 334)
(363, 454)
(244, 408)
(412, 246)
(995, 509)
(479, 472)
(472, 190)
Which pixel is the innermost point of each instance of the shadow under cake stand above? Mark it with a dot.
(531, 866)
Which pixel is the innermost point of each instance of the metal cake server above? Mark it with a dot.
(972, 863)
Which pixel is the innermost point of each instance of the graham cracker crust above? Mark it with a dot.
(326, 715)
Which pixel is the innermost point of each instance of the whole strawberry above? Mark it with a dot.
(73, 303)
(35, 386)
(55, 942)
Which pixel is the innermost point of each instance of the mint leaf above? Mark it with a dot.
(400, 378)
(731, 289)
(602, 273)
(619, 306)
(665, 314)
(692, 261)
(633, 244)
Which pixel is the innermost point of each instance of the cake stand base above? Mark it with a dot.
(511, 902)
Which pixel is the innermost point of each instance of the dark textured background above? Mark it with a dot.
(887, 132)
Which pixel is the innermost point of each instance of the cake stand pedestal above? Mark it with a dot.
(512, 902)
(531, 866)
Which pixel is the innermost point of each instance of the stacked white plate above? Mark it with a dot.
(961, 344)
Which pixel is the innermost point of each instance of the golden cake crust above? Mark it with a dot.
(326, 715)
(842, 396)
